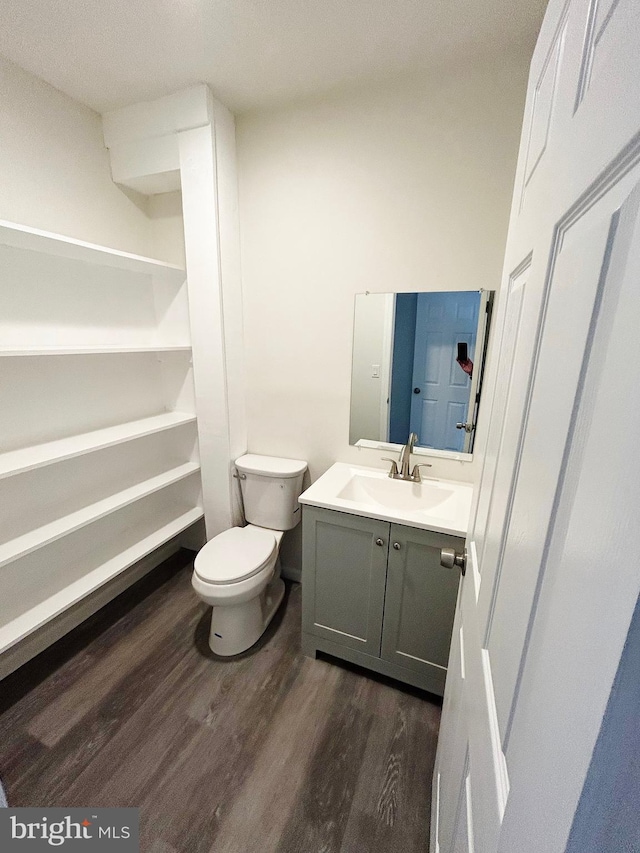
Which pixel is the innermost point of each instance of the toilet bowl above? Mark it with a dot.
(237, 572)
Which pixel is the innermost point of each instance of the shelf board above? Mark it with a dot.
(46, 242)
(48, 533)
(38, 455)
(52, 350)
(39, 615)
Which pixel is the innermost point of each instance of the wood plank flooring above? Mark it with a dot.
(269, 752)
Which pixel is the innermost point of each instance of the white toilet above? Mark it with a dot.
(238, 571)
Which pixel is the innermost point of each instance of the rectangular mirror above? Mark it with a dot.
(418, 360)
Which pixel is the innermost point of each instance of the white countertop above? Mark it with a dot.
(433, 504)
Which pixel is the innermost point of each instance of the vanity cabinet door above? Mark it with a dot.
(420, 602)
(345, 563)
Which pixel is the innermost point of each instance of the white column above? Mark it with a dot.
(192, 136)
(206, 308)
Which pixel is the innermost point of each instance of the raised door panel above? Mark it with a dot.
(463, 838)
(344, 578)
(420, 601)
(453, 764)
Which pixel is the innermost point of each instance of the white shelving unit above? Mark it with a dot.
(10, 351)
(28, 458)
(39, 615)
(99, 464)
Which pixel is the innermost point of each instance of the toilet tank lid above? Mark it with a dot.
(270, 466)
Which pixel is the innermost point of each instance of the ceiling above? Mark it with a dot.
(252, 53)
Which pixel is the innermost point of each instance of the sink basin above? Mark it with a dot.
(395, 494)
(440, 505)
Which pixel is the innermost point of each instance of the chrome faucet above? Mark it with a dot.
(405, 463)
(405, 456)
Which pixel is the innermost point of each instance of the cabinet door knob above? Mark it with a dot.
(396, 545)
(379, 541)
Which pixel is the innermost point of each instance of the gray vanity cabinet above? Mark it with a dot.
(374, 593)
(343, 598)
(420, 601)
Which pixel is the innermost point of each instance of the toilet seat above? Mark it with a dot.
(235, 555)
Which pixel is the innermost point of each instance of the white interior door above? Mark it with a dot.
(546, 603)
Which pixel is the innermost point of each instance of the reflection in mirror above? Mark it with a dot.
(418, 360)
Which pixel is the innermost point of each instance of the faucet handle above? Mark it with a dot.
(394, 466)
(415, 474)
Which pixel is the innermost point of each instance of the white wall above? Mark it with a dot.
(167, 227)
(404, 187)
(54, 169)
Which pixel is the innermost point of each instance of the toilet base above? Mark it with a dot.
(235, 628)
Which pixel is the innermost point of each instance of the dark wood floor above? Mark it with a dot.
(270, 751)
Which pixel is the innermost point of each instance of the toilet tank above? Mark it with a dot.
(271, 487)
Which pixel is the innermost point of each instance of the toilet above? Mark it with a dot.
(238, 571)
